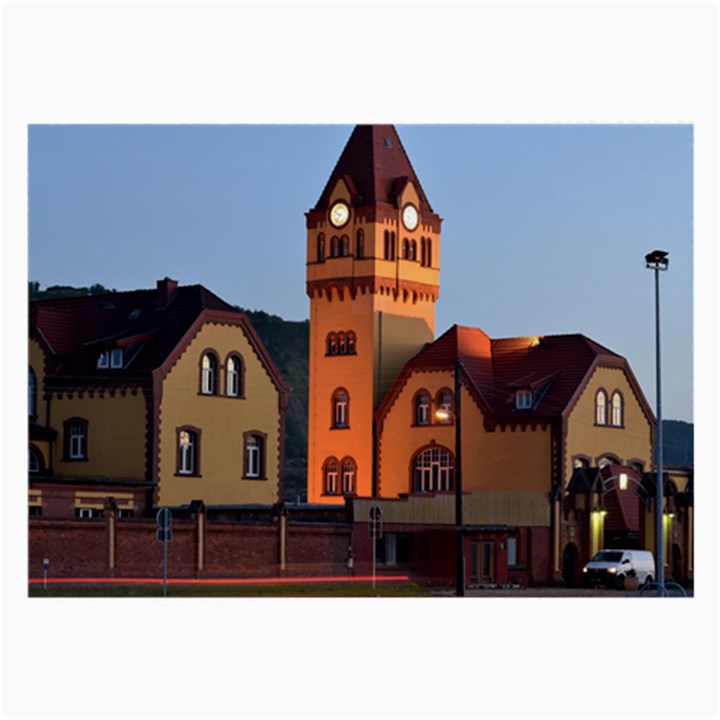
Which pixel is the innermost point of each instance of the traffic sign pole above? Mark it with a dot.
(375, 533)
(164, 534)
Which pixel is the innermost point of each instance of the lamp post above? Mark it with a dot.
(658, 261)
(459, 548)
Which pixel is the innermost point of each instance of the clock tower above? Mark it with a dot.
(373, 265)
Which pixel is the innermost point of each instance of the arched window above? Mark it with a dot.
(188, 451)
(330, 476)
(341, 403)
(32, 393)
(234, 376)
(429, 257)
(208, 381)
(321, 248)
(344, 246)
(332, 344)
(406, 249)
(617, 409)
(601, 408)
(254, 455)
(348, 476)
(422, 408)
(581, 461)
(423, 251)
(334, 246)
(35, 462)
(413, 250)
(360, 244)
(433, 470)
(445, 406)
(342, 346)
(608, 459)
(351, 343)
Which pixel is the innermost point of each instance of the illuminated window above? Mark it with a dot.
(234, 376)
(116, 358)
(617, 409)
(104, 359)
(88, 513)
(601, 408)
(209, 374)
(188, 451)
(445, 407)
(623, 481)
(433, 471)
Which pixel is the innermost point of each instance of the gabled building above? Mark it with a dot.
(385, 426)
(151, 398)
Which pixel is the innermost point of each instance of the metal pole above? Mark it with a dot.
(165, 554)
(460, 568)
(659, 495)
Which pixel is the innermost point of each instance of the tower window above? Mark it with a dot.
(360, 244)
(234, 376)
(344, 246)
(330, 472)
(341, 402)
(321, 248)
(348, 476)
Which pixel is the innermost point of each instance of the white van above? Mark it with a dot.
(611, 567)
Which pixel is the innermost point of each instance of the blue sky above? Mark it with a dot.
(545, 226)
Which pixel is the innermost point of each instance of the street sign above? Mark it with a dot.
(164, 518)
(164, 534)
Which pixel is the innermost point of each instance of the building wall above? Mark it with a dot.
(116, 435)
(501, 460)
(222, 421)
(630, 442)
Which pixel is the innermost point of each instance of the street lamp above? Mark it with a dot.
(459, 550)
(658, 261)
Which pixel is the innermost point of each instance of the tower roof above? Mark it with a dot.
(377, 166)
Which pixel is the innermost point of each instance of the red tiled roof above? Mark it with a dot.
(76, 330)
(552, 366)
(377, 167)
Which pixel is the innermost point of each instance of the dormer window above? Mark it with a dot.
(523, 400)
(111, 359)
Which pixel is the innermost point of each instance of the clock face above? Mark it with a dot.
(410, 217)
(339, 214)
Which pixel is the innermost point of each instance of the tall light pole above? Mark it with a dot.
(460, 555)
(459, 547)
(658, 261)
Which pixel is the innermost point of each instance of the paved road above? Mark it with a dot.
(565, 593)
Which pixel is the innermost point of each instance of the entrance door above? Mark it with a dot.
(483, 562)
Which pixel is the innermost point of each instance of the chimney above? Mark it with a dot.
(165, 291)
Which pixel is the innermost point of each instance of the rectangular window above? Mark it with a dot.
(77, 441)
(35, 510)
(523, 399)
(124, 514)
(116, 359)
(104, 359)
(254, 466)
(87, 513)
(187, 453)
(512, 551)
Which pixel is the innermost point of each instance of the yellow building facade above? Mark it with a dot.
(151, 398)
